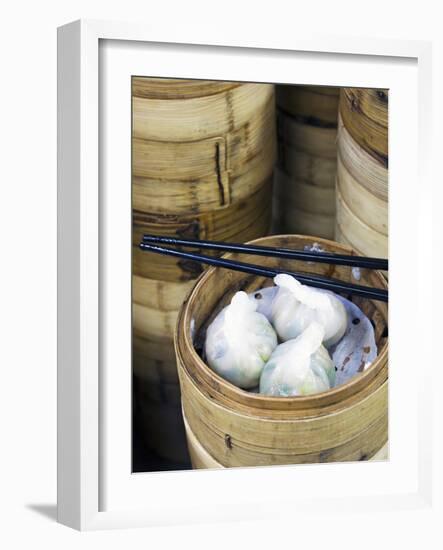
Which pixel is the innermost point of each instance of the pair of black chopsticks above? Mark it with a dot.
(151, 243)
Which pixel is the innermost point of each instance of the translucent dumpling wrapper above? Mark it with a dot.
(356, 350)
(296, 306)
(239, 342)
(299, 367)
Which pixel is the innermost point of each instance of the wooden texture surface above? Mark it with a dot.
(362, 187)
(365, 115)
(201, 459)
(238, 222)
(240, 428)
(198, 118)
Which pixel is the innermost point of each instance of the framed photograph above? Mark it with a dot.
(201, 378)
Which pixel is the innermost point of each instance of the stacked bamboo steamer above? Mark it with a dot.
(304, 193)
(228, 427)
(362, 171)
(202, 165)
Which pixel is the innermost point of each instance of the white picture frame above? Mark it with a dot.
(96, 488)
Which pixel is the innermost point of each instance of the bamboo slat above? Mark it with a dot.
(201, 459)
(363, 237)
(204, 175)
(161, 295)
(240, 428)
(308, 102)
(304, 195)
(240, 221)
(372, 210)
(319, 171)
(154, 360)
(365, 116)
(300, 222)
(203, 117)
(177, 88)
(315, 140)
(366, 169)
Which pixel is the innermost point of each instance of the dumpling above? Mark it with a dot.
(239, 342)
(299, 367)
(296, 306)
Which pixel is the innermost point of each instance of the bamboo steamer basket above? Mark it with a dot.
(197, 176)
(240, 221)
(318, 171)
(362, 193)
(156, 294)
(369, 171)
(178, 88)
(302, 207)
(201, 459)
(304, 195)
(310, 102)
(369, 208)
(316, 140)
(365, 114)
(358, 233)
(205, 116)
(239, 428)
(296, 221)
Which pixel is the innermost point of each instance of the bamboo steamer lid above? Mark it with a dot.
(365, 115)
(319, 141)
(239, 428)
(369, 171)
(309, 102)
(359, 234)
(369, 208)
(204, 117)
